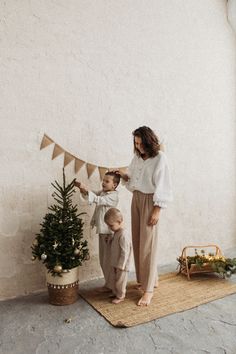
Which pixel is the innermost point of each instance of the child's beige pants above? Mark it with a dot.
(119, 281)
(144, 240)
(105, 257)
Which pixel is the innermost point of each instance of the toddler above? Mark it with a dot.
(120, 254)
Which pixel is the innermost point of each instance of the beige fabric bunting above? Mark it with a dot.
(57, 151)
(122, 169)
(45, 142)
(90, 169)
(68, 158)
(102, 171)
(78, 164)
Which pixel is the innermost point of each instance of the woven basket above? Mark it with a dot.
(63, 290)
(206, 267)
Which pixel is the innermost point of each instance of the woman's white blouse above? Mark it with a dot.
(151, 176)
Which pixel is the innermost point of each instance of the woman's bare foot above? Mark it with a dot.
(117, 300)
(145, 299)
(103, 289)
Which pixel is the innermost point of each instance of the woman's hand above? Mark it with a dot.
(122, 174)
(153, 220)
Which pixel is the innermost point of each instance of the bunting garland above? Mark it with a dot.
(57, 151)
(78, 165)
(68, 157)
(45, 142)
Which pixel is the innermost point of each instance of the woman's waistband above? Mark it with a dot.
(142, 193)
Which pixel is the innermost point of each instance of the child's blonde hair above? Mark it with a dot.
(113, 214)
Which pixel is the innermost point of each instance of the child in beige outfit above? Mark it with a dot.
(120, 254)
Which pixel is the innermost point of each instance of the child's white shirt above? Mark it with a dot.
(104, 201)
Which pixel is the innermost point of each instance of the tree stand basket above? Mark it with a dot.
(187, 269)
(63, 290)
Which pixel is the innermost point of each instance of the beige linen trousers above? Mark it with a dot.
(144, 238)
(105, 257)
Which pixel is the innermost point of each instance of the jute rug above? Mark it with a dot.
(174, 294)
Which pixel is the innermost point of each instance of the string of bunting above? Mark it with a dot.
(68, 157)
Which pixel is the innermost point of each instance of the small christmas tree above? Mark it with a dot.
(60, 245)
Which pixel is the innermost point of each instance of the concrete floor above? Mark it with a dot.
(29, 325)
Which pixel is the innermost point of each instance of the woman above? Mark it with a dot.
(148, 178)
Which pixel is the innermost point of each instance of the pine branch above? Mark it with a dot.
(57, 186)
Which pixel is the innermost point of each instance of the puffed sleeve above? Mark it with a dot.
(109, 199)
(162, 181)
(85, 197)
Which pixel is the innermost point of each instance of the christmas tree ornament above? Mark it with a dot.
(35, 243)
(87, 257)
(43, 256)
(76, 252)
(58, 268)
(55, 245)
(33, 258)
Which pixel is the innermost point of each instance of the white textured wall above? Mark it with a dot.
(87, 73)
(231, 12)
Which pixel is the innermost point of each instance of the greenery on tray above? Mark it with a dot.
(60, 244)
(219, 264)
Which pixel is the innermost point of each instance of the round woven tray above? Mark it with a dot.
(63, 295)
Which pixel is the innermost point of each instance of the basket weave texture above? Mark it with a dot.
(187, 269)
(63, 290)
(63, 295)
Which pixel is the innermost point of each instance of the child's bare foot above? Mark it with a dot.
(117, 300)
(103, 289)
(145, 299)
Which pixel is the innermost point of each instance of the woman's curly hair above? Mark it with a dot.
(150, 141)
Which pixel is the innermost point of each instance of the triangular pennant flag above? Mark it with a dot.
(45, 142)
(123, 169)
(162, 148)
(102, 171)
(90, 169)
(57, 151)
(78, 164)
(68, 158)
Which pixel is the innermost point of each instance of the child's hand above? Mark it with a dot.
(84, 191)
(77, 184)
(82, 187)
